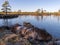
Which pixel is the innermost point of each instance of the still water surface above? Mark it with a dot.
(50, 23)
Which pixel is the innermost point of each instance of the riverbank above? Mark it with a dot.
(25, 34)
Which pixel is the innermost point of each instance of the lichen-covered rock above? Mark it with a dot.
(35, 33)
(27, 34)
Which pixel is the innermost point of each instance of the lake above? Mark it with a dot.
(50, 23)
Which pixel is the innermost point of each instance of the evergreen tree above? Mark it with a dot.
(6, 7)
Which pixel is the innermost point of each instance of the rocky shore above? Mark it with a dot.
(26, 34)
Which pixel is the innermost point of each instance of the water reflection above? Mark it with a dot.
(50, 23)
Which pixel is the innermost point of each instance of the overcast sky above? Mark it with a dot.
(33, 5)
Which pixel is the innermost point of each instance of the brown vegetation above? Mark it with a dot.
(23, 13)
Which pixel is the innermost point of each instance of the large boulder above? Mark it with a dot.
(28, 31)
(35, 33)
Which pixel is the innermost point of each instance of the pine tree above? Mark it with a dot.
(6, 7)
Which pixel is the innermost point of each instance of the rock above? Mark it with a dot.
(29, 31)
(28, 35)
(43, 35)
(16, 28)
(28, 25)
(21, 41)
(2, 42)
(9, 36)
(35, 33)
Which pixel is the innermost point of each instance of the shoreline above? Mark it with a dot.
(30, 13)
(26, 31)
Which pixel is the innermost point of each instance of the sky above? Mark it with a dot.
(33, 5)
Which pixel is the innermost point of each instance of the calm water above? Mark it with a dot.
(50, 23)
